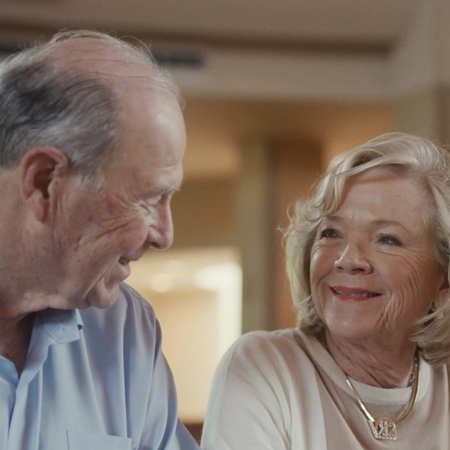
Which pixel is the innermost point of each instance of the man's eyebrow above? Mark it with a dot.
(163, 190)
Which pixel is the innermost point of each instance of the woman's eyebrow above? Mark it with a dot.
(332, 218)
(387, 222)
(376, 223)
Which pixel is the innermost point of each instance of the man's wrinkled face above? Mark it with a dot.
(101, 232)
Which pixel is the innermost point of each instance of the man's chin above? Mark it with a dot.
(102, 296)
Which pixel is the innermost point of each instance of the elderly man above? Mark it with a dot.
(91, 146)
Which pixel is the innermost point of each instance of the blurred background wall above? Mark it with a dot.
(273, 91)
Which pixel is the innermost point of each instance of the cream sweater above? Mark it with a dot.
(282, 390)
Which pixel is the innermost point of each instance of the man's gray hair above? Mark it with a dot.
(46, 103)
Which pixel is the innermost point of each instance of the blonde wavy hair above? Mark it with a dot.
(409, 156)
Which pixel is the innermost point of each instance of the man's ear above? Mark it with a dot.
(40, 167)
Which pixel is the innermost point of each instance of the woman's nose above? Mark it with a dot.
(354, 259)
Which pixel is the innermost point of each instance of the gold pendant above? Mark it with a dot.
(383, 428)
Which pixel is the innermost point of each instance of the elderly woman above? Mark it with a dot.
(368, 259)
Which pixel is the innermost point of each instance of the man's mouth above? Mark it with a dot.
(124, 261)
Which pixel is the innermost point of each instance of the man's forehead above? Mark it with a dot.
(101, 58)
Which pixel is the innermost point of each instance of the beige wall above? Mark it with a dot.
(217, 128)
(204, 213)
(191, 346)
(303, 137)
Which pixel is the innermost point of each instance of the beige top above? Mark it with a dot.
(347, 427)
(283, 391)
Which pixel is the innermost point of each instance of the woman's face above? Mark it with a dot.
(373, 266)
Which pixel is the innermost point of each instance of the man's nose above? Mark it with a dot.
(354, 258)
(160, 232)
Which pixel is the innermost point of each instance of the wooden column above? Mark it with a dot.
(298, 166)
(256, 226)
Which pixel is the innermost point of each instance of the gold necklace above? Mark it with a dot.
(384, 428)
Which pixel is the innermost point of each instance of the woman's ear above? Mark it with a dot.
(40, 168)
(443, 294)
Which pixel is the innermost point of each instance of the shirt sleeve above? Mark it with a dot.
(248, 407)
(162, 429)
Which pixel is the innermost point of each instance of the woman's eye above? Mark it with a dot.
(328, 233)
(389, 240)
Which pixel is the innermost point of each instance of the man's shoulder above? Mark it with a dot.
(130, 314)
(127, 301)
(130, 298)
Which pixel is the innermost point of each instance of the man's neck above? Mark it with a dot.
(15, 335)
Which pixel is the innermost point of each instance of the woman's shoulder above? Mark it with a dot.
(280, 349)
(289, 338)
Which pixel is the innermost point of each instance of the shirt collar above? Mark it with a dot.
(61, 325)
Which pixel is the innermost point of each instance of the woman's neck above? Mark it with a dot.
(371, 363)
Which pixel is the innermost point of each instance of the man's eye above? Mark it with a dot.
(389, 240)
(328, 233)
(154, 201)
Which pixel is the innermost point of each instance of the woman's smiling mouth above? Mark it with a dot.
(353, 294)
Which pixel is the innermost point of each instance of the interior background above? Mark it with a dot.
(273, 91)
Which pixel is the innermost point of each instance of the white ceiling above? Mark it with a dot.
(370, 22)
(313, 50)
(276, 50)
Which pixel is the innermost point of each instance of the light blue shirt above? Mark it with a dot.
(93, 380)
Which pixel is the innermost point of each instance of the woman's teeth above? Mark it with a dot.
(356, 294)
